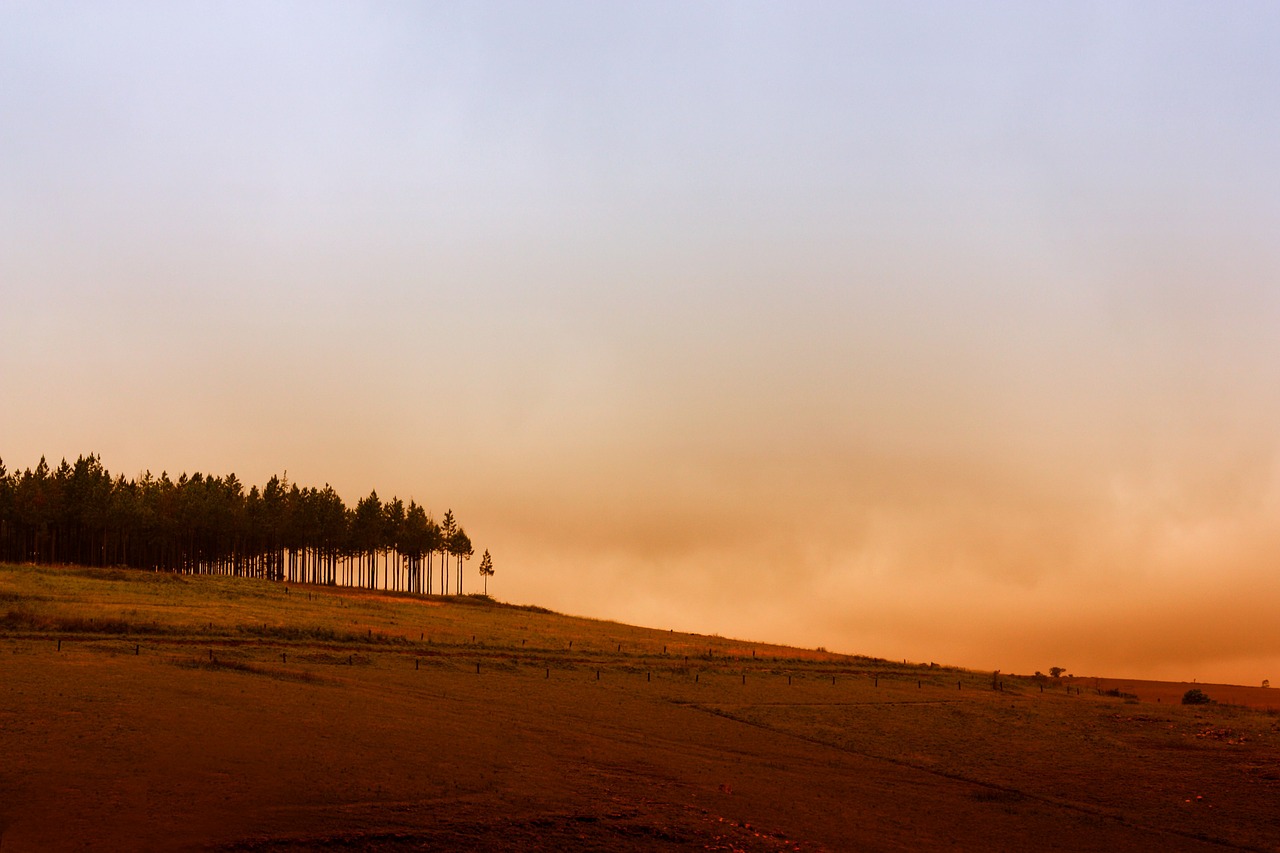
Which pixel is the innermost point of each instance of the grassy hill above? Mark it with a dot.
(91, 602)
(155, 711)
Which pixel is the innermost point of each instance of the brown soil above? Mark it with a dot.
(118, 743)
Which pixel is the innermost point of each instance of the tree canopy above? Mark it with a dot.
(202, 523)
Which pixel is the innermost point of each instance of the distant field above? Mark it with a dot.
(157, 712)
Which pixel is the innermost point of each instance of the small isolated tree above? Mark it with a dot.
(1056, 671)
(1195, 696)
(448, 532)
(1266, 682)
(486, 569)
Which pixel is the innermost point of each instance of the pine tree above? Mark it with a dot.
(448, 530)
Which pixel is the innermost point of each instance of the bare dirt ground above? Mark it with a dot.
(224, 714)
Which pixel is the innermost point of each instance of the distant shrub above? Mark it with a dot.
(1195, 696)
(1056, 671)
(1117, 693)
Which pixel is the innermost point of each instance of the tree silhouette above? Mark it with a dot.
(486, 570)
(366, 538)
(460, 547)
(78, 513)
(392, 531)
(448, 529)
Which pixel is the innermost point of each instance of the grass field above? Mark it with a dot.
(158, 712)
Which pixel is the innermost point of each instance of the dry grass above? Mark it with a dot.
(320, 718)
(119, 601)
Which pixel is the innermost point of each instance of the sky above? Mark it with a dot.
(935, 331)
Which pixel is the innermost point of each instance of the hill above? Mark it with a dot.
(157, 712)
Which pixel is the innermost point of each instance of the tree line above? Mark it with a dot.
(205, 524)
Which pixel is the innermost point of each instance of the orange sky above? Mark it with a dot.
(922, 333)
